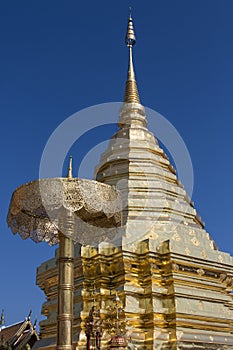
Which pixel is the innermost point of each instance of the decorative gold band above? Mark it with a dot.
(131, 92)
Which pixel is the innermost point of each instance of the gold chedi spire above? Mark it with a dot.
(69, 174)
(131, 90)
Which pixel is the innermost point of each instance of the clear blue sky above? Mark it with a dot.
(58, 57)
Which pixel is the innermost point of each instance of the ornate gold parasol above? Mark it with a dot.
(64, 211)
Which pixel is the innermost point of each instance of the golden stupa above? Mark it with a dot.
(173, 284)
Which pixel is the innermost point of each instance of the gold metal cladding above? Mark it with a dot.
(65, 317)
(131, 92)
(65, 287)
(65, 292)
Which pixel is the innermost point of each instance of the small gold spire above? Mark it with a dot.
(131, 90)
(69, 174)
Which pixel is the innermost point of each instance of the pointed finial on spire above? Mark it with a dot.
(69, 174)
(130, 38)
(2, 321)
(35, 322)
(29, 315)
(130, 12)
(131, 90)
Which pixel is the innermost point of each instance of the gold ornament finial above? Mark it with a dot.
(69, 174)
(131, 90)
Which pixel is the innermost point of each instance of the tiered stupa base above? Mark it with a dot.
(170, 301)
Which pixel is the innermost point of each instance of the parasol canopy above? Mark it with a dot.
(39, 208)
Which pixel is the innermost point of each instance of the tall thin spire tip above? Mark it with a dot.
(131, 90)
(130, 12)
